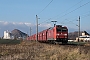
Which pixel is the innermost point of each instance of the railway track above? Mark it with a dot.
(60, 44)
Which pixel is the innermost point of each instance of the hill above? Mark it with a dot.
(17, 33)
(73, 35)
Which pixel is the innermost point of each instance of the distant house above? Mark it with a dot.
(8, 35)
(84, 38)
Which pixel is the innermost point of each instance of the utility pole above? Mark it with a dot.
(30, 31)
(54, 22)
(79, 34)
(78, 28)
(37, 27)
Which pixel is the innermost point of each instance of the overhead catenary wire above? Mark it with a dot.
(74, 9)
(86, 15)
(69, 8)
(64, 11)
(45, 7)
(68, 21)
(70, 11)
(82, 15)
(45, 21)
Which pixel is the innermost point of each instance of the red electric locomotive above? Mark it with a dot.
(58, 34)
(54, 34)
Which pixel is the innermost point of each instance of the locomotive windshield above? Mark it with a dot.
(61, 30)
(58, 30)
(64, 30)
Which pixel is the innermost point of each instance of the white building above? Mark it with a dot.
(7, 35)
(84, 37)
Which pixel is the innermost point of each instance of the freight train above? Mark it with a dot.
(58, 33)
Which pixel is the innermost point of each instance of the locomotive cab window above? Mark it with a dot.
(64, 30)
(61, 30)
(58, 30)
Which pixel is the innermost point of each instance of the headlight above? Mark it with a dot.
(65, 34)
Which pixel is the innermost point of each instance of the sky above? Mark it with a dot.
(21, 14)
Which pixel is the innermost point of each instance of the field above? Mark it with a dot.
(32, 50)
(6, 41)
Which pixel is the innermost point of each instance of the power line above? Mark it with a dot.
(83, 16)
(77, 20)
(70, 8)
(45, 21)
(86, 15)
(69, 21)
(75, 9)
(64, 11)
(45, 7)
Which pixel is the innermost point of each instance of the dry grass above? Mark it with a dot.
(31, 50)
